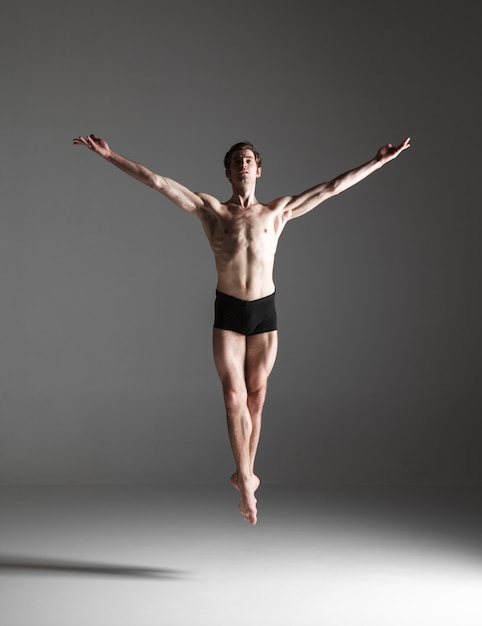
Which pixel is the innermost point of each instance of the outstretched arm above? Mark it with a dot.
(180, 195)
(310, 199)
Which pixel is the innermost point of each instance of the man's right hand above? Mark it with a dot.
(94, 143)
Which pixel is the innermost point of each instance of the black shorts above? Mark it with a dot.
(247, 317)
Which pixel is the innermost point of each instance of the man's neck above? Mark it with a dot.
(243, 196)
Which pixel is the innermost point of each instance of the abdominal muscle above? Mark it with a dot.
(248, 280)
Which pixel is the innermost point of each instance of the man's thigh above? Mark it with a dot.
(261, 353)
(229, 349)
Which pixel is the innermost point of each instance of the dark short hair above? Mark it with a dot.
(242, 145)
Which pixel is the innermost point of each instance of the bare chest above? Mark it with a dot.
(241, 229)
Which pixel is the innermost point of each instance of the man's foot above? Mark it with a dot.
(247, 501)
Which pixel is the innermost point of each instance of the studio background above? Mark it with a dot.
(107, 288)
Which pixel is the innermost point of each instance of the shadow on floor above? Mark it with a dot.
(28, 565)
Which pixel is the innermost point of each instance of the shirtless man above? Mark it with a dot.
(243, 234)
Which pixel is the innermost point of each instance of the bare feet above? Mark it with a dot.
(247, 501)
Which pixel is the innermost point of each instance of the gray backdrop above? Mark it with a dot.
(107, 289)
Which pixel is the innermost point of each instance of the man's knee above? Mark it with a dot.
(235, 399)
(257, 394)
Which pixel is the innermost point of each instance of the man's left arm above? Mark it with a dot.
(311, 198)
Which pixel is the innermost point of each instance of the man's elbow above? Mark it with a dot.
(327, 191)
(158, 183)
(332, 188)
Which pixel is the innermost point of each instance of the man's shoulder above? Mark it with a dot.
(278, 204)
(209, 203)
(208, 199)
(211, 207)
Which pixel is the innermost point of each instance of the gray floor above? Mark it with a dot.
(150, 556)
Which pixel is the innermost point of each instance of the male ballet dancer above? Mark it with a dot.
(243, 234)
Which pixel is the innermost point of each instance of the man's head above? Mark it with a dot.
(241, 147)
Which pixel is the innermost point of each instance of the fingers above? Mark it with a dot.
(80, 141)
(389, 152)
(85, 141)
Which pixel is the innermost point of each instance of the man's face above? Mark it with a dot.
(243, 166)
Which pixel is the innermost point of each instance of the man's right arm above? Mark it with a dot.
(181, 196)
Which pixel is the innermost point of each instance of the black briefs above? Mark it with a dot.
(247, 317)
